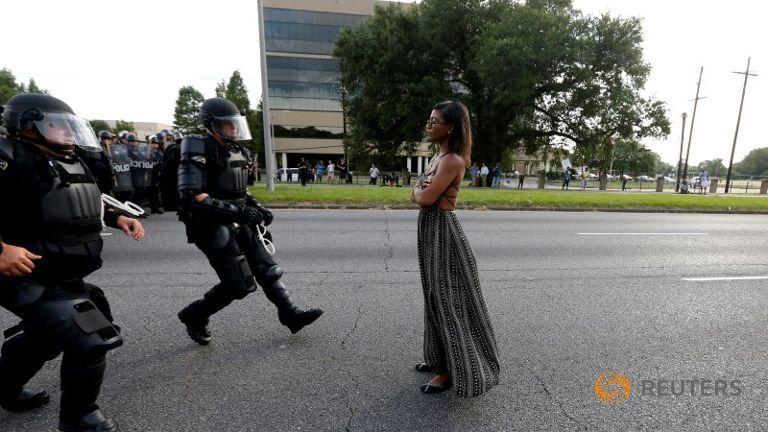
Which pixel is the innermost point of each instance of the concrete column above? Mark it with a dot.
(285, 160)
(408, 163)
(419, 164)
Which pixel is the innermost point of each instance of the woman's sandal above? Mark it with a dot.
(423, 367)
(430, 388)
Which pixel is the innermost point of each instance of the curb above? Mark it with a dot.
(503, 208)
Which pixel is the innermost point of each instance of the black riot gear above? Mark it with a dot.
(222, 118)
(224, 225)
(47, 121)
(121, 167)
(57, 214)
(105, 135)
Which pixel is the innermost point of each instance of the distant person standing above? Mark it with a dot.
(584, 178)
(374, 175)
(704, 181)
(303, 171)
(624, 182)
(342, 167)
(331, 172)
(474, 171)
(566, 178)
(496, 174)
(320, 172)
(484, 175)
(521, 181)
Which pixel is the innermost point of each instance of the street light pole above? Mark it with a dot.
(738, 122)
(268, 149)
(343, 92)
(680, 160)
(693, 119)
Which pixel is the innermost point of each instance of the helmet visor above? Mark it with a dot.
(234, 127)
(64, 129)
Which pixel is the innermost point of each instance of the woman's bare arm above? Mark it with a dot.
(450, 166)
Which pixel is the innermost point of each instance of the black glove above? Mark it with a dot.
(250, 216)
(266, 215)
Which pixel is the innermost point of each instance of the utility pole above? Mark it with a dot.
(343, 92)
(738, 122)
(269, 153)
(693, 119)
(680, 160)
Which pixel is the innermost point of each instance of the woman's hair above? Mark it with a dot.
(460, 139)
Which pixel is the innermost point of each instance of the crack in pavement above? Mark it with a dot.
(560, 404)
(354, 327)
(345, 398)
(390, 249)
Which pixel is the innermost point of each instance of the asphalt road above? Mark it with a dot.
(570, 294)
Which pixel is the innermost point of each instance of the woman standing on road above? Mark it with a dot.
(459, 345)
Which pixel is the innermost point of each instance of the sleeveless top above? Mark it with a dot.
(447, 199)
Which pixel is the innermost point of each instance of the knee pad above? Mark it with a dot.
(71, 325)
(270, 276)
(236, 275)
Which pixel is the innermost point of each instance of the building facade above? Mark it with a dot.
(305, 97)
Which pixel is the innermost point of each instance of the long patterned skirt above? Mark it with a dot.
(458, 337)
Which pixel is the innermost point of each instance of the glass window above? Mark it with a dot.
(286, 131)
(302, 63)
(304, 104)
(299, 47)
(311, 17)
(304, 90)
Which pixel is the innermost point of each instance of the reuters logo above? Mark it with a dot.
(612, 387)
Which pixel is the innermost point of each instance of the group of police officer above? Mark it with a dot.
(132, 168)
(53, 172)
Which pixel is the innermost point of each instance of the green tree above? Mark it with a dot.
(8, 86)
(185, 115)
(100, 125)
(533, 74)
(632, 158)
(221, 89)
(122, 125)
(715, 167)
(256, 125)
(33, 88)
(237, 93)
(754, 164)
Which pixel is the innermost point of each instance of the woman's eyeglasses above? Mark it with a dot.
(433, 121)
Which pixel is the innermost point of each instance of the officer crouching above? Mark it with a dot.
(50, 239)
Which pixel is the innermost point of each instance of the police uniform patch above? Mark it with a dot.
(199, 159)
(3, 164)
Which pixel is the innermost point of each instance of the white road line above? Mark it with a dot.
(725, 278)
(644, 233)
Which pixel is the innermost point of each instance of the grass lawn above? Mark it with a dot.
(374, 196)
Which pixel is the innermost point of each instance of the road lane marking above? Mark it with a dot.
(644, 233)
(725, 278)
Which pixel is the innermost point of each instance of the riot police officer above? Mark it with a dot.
(156, 146)
(49, 241)
(141, 168)
(98, 162)
(223, 220)
(121, 168)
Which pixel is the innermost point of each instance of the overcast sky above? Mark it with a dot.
(127, 60)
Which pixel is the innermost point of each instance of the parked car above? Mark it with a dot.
(282, 174)
(626, 177)
(643, 178)
(669, 180)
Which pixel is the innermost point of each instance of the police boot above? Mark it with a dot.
(26, 400)
(290, 315)
(197, 327)
(93, 422)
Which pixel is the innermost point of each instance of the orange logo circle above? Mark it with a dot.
(612, 387)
